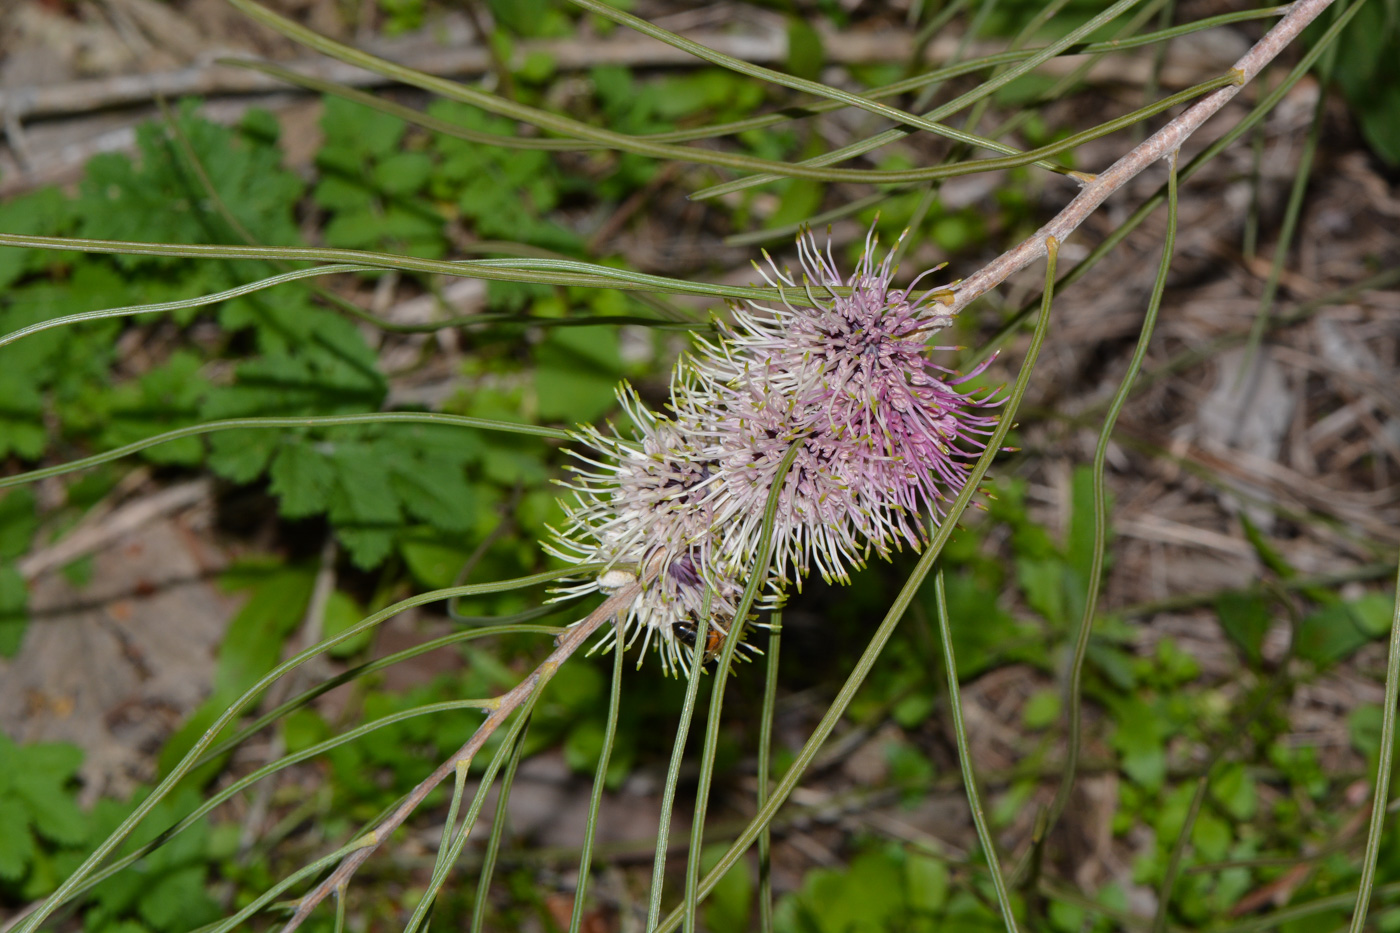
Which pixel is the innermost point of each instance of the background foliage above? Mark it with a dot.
(1208, 792)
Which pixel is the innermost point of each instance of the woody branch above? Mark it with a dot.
(1159, 145)
(505, 705)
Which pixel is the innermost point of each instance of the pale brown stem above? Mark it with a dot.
(1157, 146)
(505, 704)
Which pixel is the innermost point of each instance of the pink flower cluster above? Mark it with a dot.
(887, 440)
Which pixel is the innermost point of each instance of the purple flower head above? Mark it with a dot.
(888, 438)
(748, 433)
(885, 439)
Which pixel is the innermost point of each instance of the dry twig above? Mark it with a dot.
(501, 710)
(1159, 145)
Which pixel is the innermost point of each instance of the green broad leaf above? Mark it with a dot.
(576, 373)
(357, 228)
(1140, 742)
(1363, 46)
(178, 901)
(54, 762)
(447, 442)
(53, 811)
(1211, 836)
(403, 172)
(252, 645)
(731, 899)
(1373, 613)
(1079, 540)
(1369, 74)
(116, 896)
(1174, 666)
(910, 770)
(539, 511)
(1023, 90)
(241, 455)
(22, 431)
(805, 55)
(977, 647)
(79, 573)
(1013, 803)
(1042, 709)
(359, 129)
(121, 926)
(1029, 540)
(1233, 788)
(1364, 728)
(715, 90)
(1042, 582)
(1175, 804)
(314, 363)
(438, 493)
(61, 360)
(287, 322)
(163, 399)
(401, 16)
(1379, 116)
(343, 612)
(304, 728)
(521, 17)
(510, 459)
(363, 505)
(302, 478)
(576, 688)
(957, 232)
(1113, 663)
(538, 67)
(418, 232)
(14, 609)
(1329, 635)
(427, 471)
(869, 895)
(46, 871)
(914, 709)
(621, 761)
(614, 87)
(584, 745)
(341, 188)
(801, 198)
(500, 192)
(1069, 918)
(434, 559)
(158, 197)
(18, 521)
(17, 847)
(46, 212)
(367, 547)
(8, 752)
(926, 880)
(1245, 619)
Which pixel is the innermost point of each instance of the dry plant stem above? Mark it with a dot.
(505, 705)
(1159, 145)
